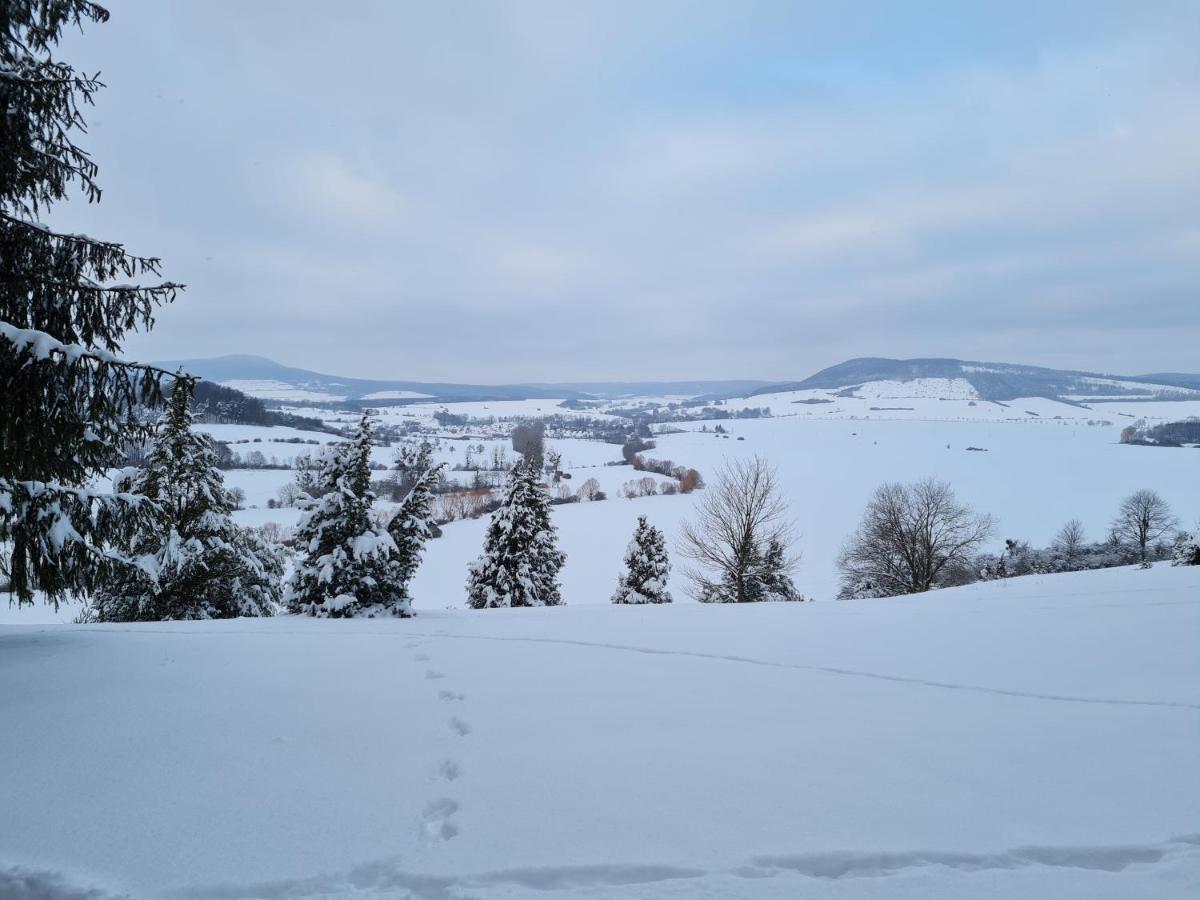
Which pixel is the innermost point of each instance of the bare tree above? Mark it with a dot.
(739, 536)
(911, 535)
(589, 489)
(554, 465)
(529, 439)
(1143, 518)
(1069, 544)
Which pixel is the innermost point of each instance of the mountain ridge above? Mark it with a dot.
(243, 368)
(1000, 381)
(991, 380)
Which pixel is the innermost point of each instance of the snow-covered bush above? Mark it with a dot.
(521, 559)
(1187, 550)
(192, 561)
(646, 567)
(350, 564)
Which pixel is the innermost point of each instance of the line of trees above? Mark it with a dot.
(917, 537)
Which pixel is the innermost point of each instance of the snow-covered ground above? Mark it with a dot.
(396, 395)
(1022, 739)
(954, 400)
(279, 390)
(1031, 478)
(1032, 474)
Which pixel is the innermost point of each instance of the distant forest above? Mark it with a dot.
(216, 403)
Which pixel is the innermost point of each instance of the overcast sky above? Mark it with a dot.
(483, 192)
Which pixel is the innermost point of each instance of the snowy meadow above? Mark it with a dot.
(1029, 736)
(912, 627)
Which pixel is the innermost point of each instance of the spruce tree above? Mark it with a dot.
(771, 575)
(412, 525)
(67, 401)
(646, 567)
(1187, 550)
(763, 577)
(350, 566)
(521, 559)
(194, 562)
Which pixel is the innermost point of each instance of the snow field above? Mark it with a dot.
(1032, 480)
(1034, 737)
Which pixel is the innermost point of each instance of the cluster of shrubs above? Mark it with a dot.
(687, 411)
(1067, 555)
(1168, 434)
(917, 537)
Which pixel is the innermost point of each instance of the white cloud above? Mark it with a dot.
(324, 185)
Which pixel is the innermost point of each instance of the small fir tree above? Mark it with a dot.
(350, 565)
(647, 567)
(1187, 550)
(193, 562)
(521, 559)
(772, 573)
(412, 525)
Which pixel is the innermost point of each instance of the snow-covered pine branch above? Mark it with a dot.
(67, 400)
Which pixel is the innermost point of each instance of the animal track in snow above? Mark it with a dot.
(432, 675)
(451, 695)
(436, 824)
(449, 770)
(459, 727)
(421, 657)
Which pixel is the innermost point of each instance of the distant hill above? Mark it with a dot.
(269, 380)
(1002, 381)
(257, 376)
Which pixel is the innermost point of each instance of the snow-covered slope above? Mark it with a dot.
(1030, 738)
(269, 389)
(1001, 381)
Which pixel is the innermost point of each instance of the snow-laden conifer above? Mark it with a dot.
(771, 572)
(67, 401)
(349, 566)
(521, 559)
(647, 567)
(1187, 550)
(192, 561)
(412, 525)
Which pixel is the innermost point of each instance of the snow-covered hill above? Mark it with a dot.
(1002, 381)
(1029, 738)
(268, 380)
(945, 378)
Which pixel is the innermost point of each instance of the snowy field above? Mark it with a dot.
(1022, 739)
(1032, 477)
(1030, 738)
(955, 400)
(1032, 473)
